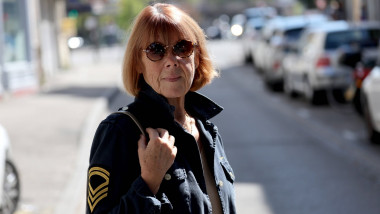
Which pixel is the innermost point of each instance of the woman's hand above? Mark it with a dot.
(156, 157)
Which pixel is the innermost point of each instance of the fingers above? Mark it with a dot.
(141, 144)
(156, 156)
(152, 133)
(174, 151)
(142, 141)
(162, 134)
(171, 140)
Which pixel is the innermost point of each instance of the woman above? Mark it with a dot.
(180, 165)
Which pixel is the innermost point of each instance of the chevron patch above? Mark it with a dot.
(98, 180)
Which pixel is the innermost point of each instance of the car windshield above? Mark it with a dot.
(366, 38)
(293, 34)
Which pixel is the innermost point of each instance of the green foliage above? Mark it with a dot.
(308, 3)
(81, 19)
(128, 9)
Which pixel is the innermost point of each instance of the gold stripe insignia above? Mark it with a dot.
(101, 190)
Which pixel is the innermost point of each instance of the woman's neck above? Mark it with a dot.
(180, 111)
(183, 118)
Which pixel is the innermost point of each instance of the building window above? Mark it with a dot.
(15, 46)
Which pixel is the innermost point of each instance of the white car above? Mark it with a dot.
(319, 66)
(256, 18)
(259, 52)
(286, 31)
(371, 103)
(10, 191)
(251, 36)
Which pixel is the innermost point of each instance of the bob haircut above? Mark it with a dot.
(155, 22)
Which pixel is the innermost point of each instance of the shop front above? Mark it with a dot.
(18, 73)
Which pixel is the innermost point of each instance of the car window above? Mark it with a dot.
(366, 38)
(293, 34)
(373, 37)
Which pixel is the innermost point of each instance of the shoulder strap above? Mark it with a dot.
(126, 112)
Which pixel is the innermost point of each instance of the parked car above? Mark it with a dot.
(251, 36)
(9, 178)
(256, 12)
(258, 52)
(362, 69)
(324, 60)
(255, 17)
(370, 97)
(286, 32)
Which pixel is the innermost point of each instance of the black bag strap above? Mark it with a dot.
(125, 111)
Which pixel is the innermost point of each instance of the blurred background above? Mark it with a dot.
(300, 83)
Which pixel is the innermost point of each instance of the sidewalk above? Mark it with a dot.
(51, 131)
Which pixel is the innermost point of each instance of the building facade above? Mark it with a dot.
(17, 61)
(31, 48)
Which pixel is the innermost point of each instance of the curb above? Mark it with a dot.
(73, 196)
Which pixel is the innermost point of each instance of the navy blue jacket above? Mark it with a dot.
(114, 181)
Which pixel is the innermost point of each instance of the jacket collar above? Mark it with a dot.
(196, 104)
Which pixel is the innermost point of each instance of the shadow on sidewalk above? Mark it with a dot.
(86, 92)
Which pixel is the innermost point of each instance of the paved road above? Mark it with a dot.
(289, 157)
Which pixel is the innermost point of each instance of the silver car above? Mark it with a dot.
(10, 190)
(323, 60)
(371, 103)
(285, 33)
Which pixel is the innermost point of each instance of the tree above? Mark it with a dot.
(128, 9)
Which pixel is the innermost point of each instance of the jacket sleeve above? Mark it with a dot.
(114, 183)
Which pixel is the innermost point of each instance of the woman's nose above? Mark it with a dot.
(171, 60)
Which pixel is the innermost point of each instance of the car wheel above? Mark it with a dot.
(288, 87)
(248, 58)
(373, 135)
(312, 96)
(11, 189)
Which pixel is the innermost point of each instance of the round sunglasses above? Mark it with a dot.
(156, 51)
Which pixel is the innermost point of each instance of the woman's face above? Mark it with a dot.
(172, 76)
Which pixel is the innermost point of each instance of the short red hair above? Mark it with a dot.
(155, 22)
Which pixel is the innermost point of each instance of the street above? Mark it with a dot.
(289, 157)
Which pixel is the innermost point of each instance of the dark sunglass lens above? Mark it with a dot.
(155, 51)
(183, 48)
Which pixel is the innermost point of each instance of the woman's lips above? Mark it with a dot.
(172, 79)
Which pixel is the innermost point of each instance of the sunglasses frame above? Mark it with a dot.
(194, 45)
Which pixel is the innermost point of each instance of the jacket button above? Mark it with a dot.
(220, 183)
(168, 177)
